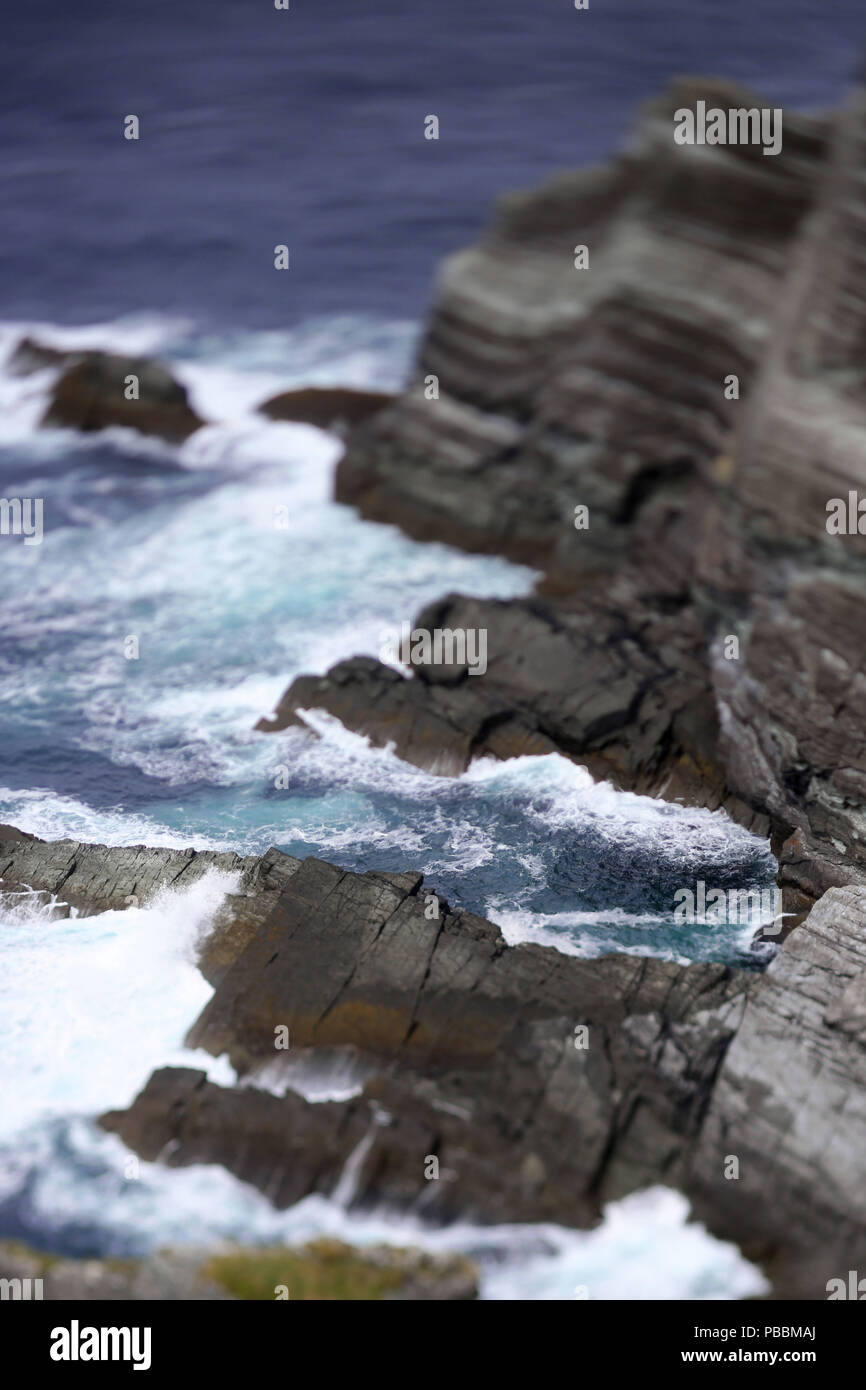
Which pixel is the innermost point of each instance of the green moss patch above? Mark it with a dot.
(325, 1269)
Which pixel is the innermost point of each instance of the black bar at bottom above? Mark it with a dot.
(141, 1339)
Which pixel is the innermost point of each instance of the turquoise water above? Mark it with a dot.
(227, 568)
(179, 550)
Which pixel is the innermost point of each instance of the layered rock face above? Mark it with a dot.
(470, 1053)
(619, 686)
(66, 876)
(791, 710)
(601, 386)
(696, 634)
(504, 1083)
(698, 639)
(790, 1104)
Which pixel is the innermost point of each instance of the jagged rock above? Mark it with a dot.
(11, 833)
(790, 1105)
(605, 386)
(334, 408)
(94, 878)
(472, 1050)
(435, 728)
(90, 394)
(473, 1053)
(473, 1057)
(418, 969)
(31, 356)
(70, 876)
(707, 521)
(707, 516)
(630, 700)
(323, 1269)
(790, 710)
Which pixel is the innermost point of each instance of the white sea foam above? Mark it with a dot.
(228, 608)
(337, 1073)
(585, 934)
(43, 812)
(92, 1004)
(227, 377)
(644, 1248)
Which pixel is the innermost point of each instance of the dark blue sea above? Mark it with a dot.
(304, 127)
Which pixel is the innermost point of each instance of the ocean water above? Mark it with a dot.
(91, 1005)
(230, 566)
(303, 127)
(179, 548)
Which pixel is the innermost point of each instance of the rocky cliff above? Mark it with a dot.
(599, 383)
(695, 635)
(699, 390)
(660, 425)
(509, 1083)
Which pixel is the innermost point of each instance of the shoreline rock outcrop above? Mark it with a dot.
(94, 390)
(699, 638)
(699, 391)
(543, 1085)
(604, 385)
(92, 393)
(335, 408)
(70, 876)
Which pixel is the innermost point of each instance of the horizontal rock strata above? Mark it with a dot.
(543, 1085)
(67, 876)
(698, 638)
(601, 386)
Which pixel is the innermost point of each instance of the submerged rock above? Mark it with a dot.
(336, 408)
(31, 356)
(93, 393)
(94, 390)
